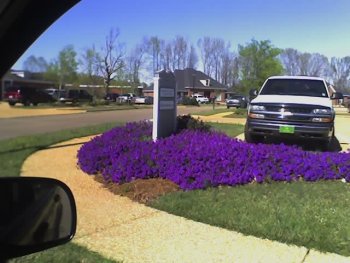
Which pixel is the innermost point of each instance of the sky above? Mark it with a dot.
(316, 26)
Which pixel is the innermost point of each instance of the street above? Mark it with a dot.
(21, 126)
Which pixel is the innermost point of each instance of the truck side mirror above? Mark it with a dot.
(253, 93)
(337, 96)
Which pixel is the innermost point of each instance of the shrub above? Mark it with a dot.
(189, 101)
(196, 159)
(240, 112)
(188, 122)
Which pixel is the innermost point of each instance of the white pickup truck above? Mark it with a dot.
(292, 106)
(200, 98)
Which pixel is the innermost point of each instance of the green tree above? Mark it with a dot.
(64, 69)
(258, 60)
(35, 64)
(89, 62)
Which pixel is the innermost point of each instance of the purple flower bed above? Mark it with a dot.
(197, 159)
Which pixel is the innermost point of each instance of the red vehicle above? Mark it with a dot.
(27, 96)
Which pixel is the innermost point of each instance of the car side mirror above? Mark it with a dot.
(36, 214)
(337, 96)
(253, 92)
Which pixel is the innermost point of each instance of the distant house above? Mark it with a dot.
(190, 81)
(331, 90)
(20, 78)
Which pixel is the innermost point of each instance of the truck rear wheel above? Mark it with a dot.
(26, 103)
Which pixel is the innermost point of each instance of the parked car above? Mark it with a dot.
(148, 100)
(112, 97)
(126, 98)
(346, 101)
(292, 106)
(238, 101)
(140, 100)
(143, 100)
(75, 96)
(27, 96)
(200, 98)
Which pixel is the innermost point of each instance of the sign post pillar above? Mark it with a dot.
(164, 107)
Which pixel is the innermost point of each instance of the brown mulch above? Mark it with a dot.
(141, 190)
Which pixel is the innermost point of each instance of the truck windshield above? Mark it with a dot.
(295, 87)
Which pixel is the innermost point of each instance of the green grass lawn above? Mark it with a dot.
(237, 113)
(115, 107)
(209, 110)
(230, 129)
(13, 152)
(314, 215)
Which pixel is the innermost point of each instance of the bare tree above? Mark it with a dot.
(290, 59)
(166, 55)
(340, 72)
(154, 45)
(205, 47)
(218, 52)
(228, 67)
(110, 60)
(216, 57)
(135, 61)
(313, 64)
(180, 52)
(318, 65)
(192, 59)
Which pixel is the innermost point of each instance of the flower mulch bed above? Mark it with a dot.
(141, 190)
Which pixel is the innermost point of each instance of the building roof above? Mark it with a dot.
(190, 78)
(25, 77)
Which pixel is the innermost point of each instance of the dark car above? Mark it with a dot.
(76, 96)
(238, 101)
(148, 100)
(111, 97)
(27, 96)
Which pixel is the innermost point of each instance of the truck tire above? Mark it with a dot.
(329, 145)
(26, 103)
(12, 103)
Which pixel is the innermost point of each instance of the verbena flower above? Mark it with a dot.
(196, 159)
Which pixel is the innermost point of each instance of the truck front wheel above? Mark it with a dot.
(252, 138)
(330, 144)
